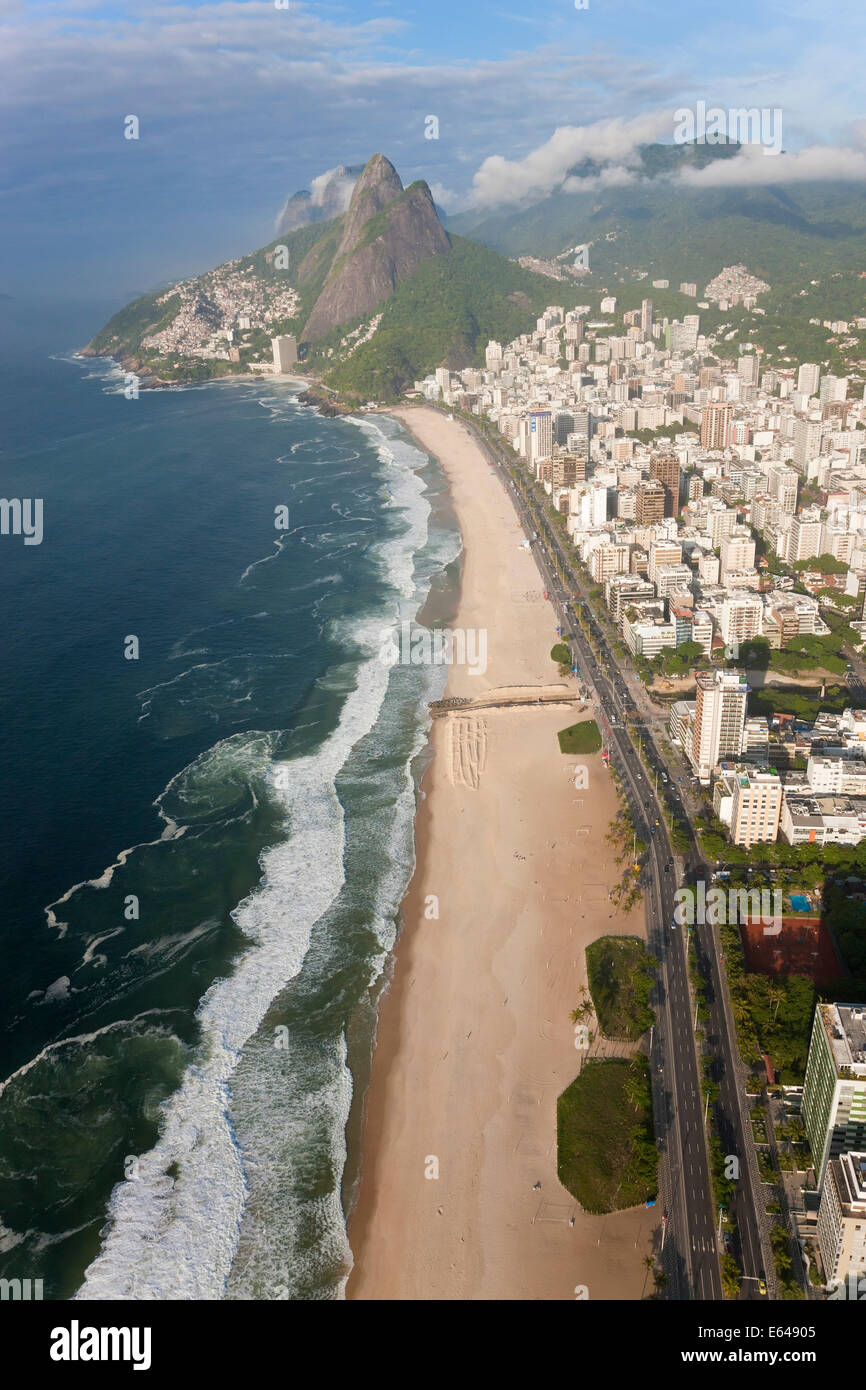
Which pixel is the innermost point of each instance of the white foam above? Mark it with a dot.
(175, 1237)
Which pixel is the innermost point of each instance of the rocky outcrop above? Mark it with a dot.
(387, 233)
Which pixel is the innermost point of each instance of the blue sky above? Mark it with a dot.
(241, 103)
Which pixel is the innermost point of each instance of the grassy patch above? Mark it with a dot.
(580, 738)
(606, 1150)
(620, 977)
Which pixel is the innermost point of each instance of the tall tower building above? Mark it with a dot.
(755, 808)
(808, 377)
(842, 1220)
(646, 317)
(834, 1092)
(666, 469)
(540, 435)
(649, 503)
(715, 425)
(285, 350)
(720, 716)
(807, 442)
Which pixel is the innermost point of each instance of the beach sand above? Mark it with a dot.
(475, 1041)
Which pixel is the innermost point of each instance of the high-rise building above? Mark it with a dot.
(842, 1220)
(607, 560)
(833, 388)
(646, 317)
(715, 424)
(696, 487)
(493, 356)
(741, 618)
(803, 541)
(649, 503)
(563, 426)
(737, 553)
(285, 350)
(661, 554)
(720, 714)
(808, 377)
(540, 435)
(756, 806)
(690, 288)
(807, 442)
(782, 484)
(834, 1092)
(666, 468)
(747, 368)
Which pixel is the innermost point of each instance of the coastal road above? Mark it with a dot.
(690, 1257)
(750, 1240)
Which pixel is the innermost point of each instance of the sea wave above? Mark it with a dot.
(173, 1232)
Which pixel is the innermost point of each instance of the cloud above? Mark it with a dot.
(334, 185)
(501, 180)
(817, 163)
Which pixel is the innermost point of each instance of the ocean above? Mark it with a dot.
(210, 788)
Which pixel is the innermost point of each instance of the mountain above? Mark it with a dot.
(328, 197)
(328, 283)
(784, 233)
(387, 232)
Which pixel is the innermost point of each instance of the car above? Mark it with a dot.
(667, 868)
(762, 1284)
(659, 1068)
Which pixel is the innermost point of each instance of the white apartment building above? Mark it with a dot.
(737, 552)
(755, 809)
(741, 617)
(646, 637)
(842, 1219)
(809, 819)
(720, 714)
(803, 540)
(720, 523)
(607, 560)
(836, 776)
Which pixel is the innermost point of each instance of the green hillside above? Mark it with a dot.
(446, 314)
(686, 233)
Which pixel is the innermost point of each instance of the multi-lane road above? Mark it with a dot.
(692, 1247)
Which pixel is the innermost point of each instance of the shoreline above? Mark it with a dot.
(500, 963)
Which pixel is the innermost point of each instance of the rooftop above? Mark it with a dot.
(845, 1027)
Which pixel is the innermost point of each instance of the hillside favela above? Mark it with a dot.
(435, 678)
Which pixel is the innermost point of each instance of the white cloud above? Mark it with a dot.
(753, 166)
(501, 180)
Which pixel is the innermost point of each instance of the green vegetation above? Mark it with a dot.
(447, 312)
(143, 316)
(561, 654)
(580, 738)
(823, 564)
(606, 1153)
(771, 1014)
(620, 974)
(732, 1277)
(789, 1286)
(804, 706)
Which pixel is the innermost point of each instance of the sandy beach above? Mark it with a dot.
(459, 1196)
